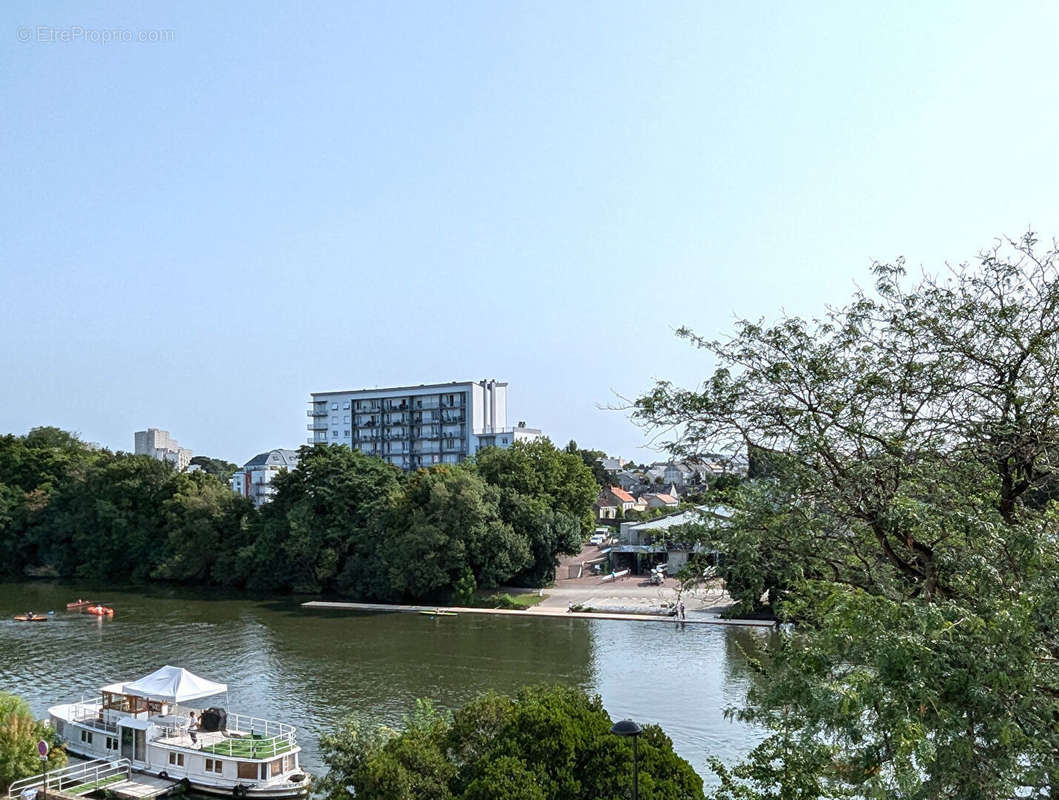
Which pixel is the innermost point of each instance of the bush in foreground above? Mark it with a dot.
(546, 743)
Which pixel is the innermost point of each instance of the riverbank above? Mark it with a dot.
(693, 618)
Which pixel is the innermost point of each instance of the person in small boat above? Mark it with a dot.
(29, 615)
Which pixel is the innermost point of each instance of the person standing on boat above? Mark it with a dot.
(192, 724)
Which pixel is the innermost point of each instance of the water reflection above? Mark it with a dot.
(311, 668)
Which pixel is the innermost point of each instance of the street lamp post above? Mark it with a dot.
(629, 728)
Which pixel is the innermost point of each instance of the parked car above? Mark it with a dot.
(598, 539)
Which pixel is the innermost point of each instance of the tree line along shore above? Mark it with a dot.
(341, 523)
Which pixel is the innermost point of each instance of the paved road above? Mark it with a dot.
(630, 594)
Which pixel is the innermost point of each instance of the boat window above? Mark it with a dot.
(275, 767)
(86, 737)
(246, 769)
(177, 759)
(214, 765)
(288, 763)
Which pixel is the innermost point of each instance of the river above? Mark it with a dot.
(310, 668)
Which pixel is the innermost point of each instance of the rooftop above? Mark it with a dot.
(282, 458)
(449, 385)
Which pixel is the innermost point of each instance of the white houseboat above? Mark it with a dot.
(209, 750)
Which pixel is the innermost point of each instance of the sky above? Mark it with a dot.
(262, 200)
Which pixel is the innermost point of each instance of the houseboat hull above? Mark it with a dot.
(147, 724)
(157, 762)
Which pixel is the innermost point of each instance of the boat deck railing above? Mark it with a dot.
(76, 779)
(90, 714)
(243, 737)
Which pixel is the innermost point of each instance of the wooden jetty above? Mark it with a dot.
(81, 778)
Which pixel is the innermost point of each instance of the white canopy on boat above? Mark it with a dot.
(174, 684)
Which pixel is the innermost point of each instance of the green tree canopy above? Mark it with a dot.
(321, 529)
(538, 470)
(593, 459)
(546, 743)
(898, 444)
(217, 467)
(445, 523)
(19, 734)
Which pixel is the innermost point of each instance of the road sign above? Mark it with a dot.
(42, 748)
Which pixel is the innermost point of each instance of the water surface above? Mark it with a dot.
(309, 668)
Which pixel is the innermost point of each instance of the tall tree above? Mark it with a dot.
(905, 433)
(593, 459)
(537, 469)
(323, 520)
(445, 524)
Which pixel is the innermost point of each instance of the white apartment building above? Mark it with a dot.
(508, 436)
(417, 426)
(255, 478)
(160, 445)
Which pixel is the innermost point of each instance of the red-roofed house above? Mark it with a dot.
(619, 497)
(659, 500)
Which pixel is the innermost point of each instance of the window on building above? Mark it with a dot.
(504, 440)
(334, 406)
(214, 765)
(346, 434)
(345, 405)
(345, 419)
(334, 434)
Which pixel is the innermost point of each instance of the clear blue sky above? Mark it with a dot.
(286, 198)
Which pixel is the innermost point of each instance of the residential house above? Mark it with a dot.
(621, 498)
(606, 508)
(659, 500)
(630, 480)
(254, 480)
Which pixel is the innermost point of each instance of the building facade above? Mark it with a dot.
(417, 426)
(160, 445)
(255, 478)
